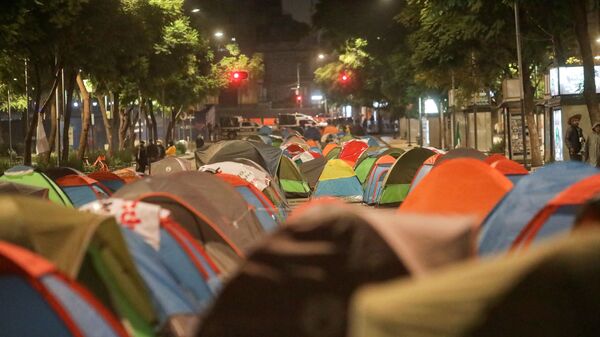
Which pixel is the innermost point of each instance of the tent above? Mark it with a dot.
(334, 153)
(82, 189)
(511, 169)
(424, 170)
(548, 292)
(265, 130)
(129, 175)
(291, 180)
(169, 165)
(266, 156)
(178, 251)
(526, 199)
(59, 172)
(461, 153)
(208, 208)
(260, 138)
(339, 180)
(312, 133)
(265, 210)
(26, 175)
(110, 180)
(352, 150)
(296, 139)
(329, 147)
(374, 183)
(7, 187)
(38, 300)
(400, 176)
(87, 247)
(494, 157)
(312, 170)
(299, 281)
(365, 162)
(371, 141)
(331, 129)
(558, 215)
(458, 187)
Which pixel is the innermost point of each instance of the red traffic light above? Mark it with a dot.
(299, 98)
(239, 75)
(344, 78)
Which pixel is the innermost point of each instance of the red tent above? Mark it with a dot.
(494, 157)
(352, 150)
(509, 167)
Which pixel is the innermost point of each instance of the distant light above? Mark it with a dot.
(344, 77)
(14, 79)
(321, 56)
(195, 10)
(597, 57)
(316, 97)
(94, 103)
(598, 40)
(233, 39)
(236, 75)
(219, 34)
(431, 107)
(75, 104)
(379, 38)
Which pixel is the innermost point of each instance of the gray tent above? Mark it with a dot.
(311, 170)
(265, 155)
(170, 165)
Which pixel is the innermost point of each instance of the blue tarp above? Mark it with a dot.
(520, 205)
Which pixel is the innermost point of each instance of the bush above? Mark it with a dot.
(5, 164)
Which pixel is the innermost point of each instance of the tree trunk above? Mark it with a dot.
(583, 37)
(132, 128)
(37, 111)
(85, 118)
(116, 116)
(154, 133)
(53, 126)
(172, 123)
(529, 106)
(125, 124)
(107, 125)
(71, 78)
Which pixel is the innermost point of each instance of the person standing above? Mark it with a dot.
(142, 157)
(574, 138)
(592, 146)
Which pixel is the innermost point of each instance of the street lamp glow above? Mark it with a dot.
(597, 57)
(219, 34)
(195, 10)
(75, 104)
(233, 39)
(598, 40)
(321, 56)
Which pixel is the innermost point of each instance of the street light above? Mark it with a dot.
(321, 56)
(219, 34)
(196, 10)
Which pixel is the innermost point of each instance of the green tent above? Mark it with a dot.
(89, 248)
(397, 183)
(552, 291)
(365, 162)
(26, 175)
(334, 153)
(291, 180)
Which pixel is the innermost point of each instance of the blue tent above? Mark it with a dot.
(372, 141)
(265, 130)
(313, 133)
(265, 215)
(339, 180)
(520, 205)
(374, 183)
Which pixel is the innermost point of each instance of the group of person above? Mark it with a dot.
(580, 147)
(151, 153)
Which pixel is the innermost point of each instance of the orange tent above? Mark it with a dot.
(127, 174)
(460, 186)
(331, 129)
(509, 167)
(329, 147)
(494, 157)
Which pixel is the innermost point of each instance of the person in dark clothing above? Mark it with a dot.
(574, 138)
(153, 152)
(199, 142)
(142, 157)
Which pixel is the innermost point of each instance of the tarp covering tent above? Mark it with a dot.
(262, 154)
(374, 183)
(178, 251)
(37, 300)
(7, 187)
(400, 176)
(461, 153)
(528, 197)
(548, 292)
(265, 210)
(312, 170)
(108, 179)
(82, 189)
(170, 165)
(87, 247)
(208, 208)
(352, 150)
(424, 170)
(463, 186)
(128, 175)
(558, 215)
(28, 176)
(511, 169)
(299, 281)
(293, 184)
(339, 180)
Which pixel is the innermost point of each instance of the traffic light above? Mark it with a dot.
(236, 76)
(344, 78)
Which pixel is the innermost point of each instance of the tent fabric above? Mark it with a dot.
(339, 180)
(371, 141)
(312, 170)
(266, 156)
(374, 184)
(520, 205)
(265, 130)
(59, 172)
(169, 165)
(365, 162)
(558, 215)
(208, 208)
(110, 180)
(463, 186)
(461, 153)
(352, 150)
(81, 245)
(32, 290)
(312, 133)
(298, 282)
(128, 175)
(400, 176)
(7, 187)
(509, 167)
(494, 157)
(291, 180)
(334, 153)
(329, 147)
(82, 189)
(26, 175)
(424, 170)
(551, 292)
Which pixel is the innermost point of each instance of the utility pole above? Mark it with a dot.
(522, 86)
(9, 127)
